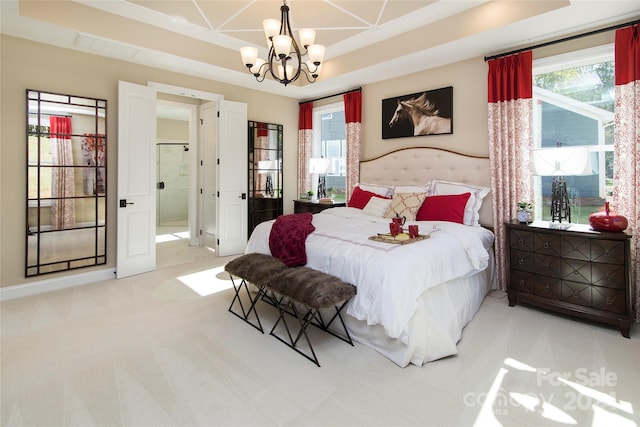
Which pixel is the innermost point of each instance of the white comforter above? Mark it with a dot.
(390, 277)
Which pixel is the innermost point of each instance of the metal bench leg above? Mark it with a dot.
(252, 303)
(304, 322)
(320, 323)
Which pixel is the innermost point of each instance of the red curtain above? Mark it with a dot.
(62, 177)
(510, 141)
(353, 119)
(626, 191)
(305, 146)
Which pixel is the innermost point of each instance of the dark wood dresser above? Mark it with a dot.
(571, 269)
(301, 206)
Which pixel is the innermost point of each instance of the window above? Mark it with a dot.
(574, 99)
(329, 141)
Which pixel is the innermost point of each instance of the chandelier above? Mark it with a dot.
(285, 61)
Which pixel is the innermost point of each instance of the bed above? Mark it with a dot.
(413, 299)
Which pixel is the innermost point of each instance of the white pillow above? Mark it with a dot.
(472, 208)
(377, 206)
(382, 190)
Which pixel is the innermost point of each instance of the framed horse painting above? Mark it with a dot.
(422, 113)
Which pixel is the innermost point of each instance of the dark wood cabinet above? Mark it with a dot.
(300, 206)
(265, 173)
(571, 269)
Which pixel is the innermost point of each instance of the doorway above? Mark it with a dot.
(176, 144)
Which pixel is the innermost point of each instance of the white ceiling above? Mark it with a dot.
(366, 40)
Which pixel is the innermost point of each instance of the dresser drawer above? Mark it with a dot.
(521, 260)
(608, 275)
(607, 251)
(613, 300)
(548, 287)
(576, 248)
(576, 271)
(547, 244)
(521, 240)
(547, 265)
(521, 281)
(576, 293)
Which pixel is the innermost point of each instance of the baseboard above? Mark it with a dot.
(48, 285)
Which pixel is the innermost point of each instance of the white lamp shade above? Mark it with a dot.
(281, 71)
(313, 69)
(321, 165)
(249, 55)
(265, 166)
(307, 36)
(562, 161)
(256, 68)
(316, 53)
(282, 44)
(271, 27)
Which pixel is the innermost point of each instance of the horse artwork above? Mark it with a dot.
(426, 113)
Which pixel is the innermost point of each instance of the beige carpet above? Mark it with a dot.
(161, 349)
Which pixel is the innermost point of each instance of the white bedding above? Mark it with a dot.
(391, 279)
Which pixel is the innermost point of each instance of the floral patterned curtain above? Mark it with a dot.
(93, 155)
(353, 119)
(626, 193)
(510, 142)
(62, 177)
(305, 146)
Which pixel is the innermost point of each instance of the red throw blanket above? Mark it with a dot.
(288, 236)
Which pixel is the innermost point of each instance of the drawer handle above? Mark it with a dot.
(521, 242)
(546, 245)
(609, 301)
(521, 282)
(546, 264)
(520, 261)
(546, 288)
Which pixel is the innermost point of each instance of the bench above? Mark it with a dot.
(300, 292)
(303, 292)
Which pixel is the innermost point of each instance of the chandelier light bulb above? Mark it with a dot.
(271, 27)
(316, 53)
(256, 69)
(249, 55)
(282, 45)
(307, 36)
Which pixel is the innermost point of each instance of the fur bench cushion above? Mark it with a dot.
(312, 288)
(255, 268)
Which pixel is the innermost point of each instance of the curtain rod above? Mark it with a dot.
(331, 96)
(566, 39)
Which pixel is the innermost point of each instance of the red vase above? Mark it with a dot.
(606, 221)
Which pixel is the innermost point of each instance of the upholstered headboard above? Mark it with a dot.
(421, 165)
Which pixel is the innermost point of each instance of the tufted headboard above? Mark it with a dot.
(421, 165)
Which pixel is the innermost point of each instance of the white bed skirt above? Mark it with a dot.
(433, 331)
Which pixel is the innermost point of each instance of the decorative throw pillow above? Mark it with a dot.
(359, 198)
(472, 209)
(405, 205)
(377, 206)
(444, 208)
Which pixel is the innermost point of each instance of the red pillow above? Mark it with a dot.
(359, 198)
(449, 207)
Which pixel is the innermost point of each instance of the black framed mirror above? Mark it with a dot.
(66, 182)
(265, 172)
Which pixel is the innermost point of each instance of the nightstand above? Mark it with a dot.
(300, 206)
(570, 269)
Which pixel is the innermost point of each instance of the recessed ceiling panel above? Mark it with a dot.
(398, 9)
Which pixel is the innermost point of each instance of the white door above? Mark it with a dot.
(136, 248)
(208, 137)
(232, 180)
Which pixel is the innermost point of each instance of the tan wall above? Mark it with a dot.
(29, 65)
(176, 130)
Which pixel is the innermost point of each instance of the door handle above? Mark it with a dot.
(161, 185)
(124, 203)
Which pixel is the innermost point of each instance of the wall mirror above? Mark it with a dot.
(66, 182)
(265, 172)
